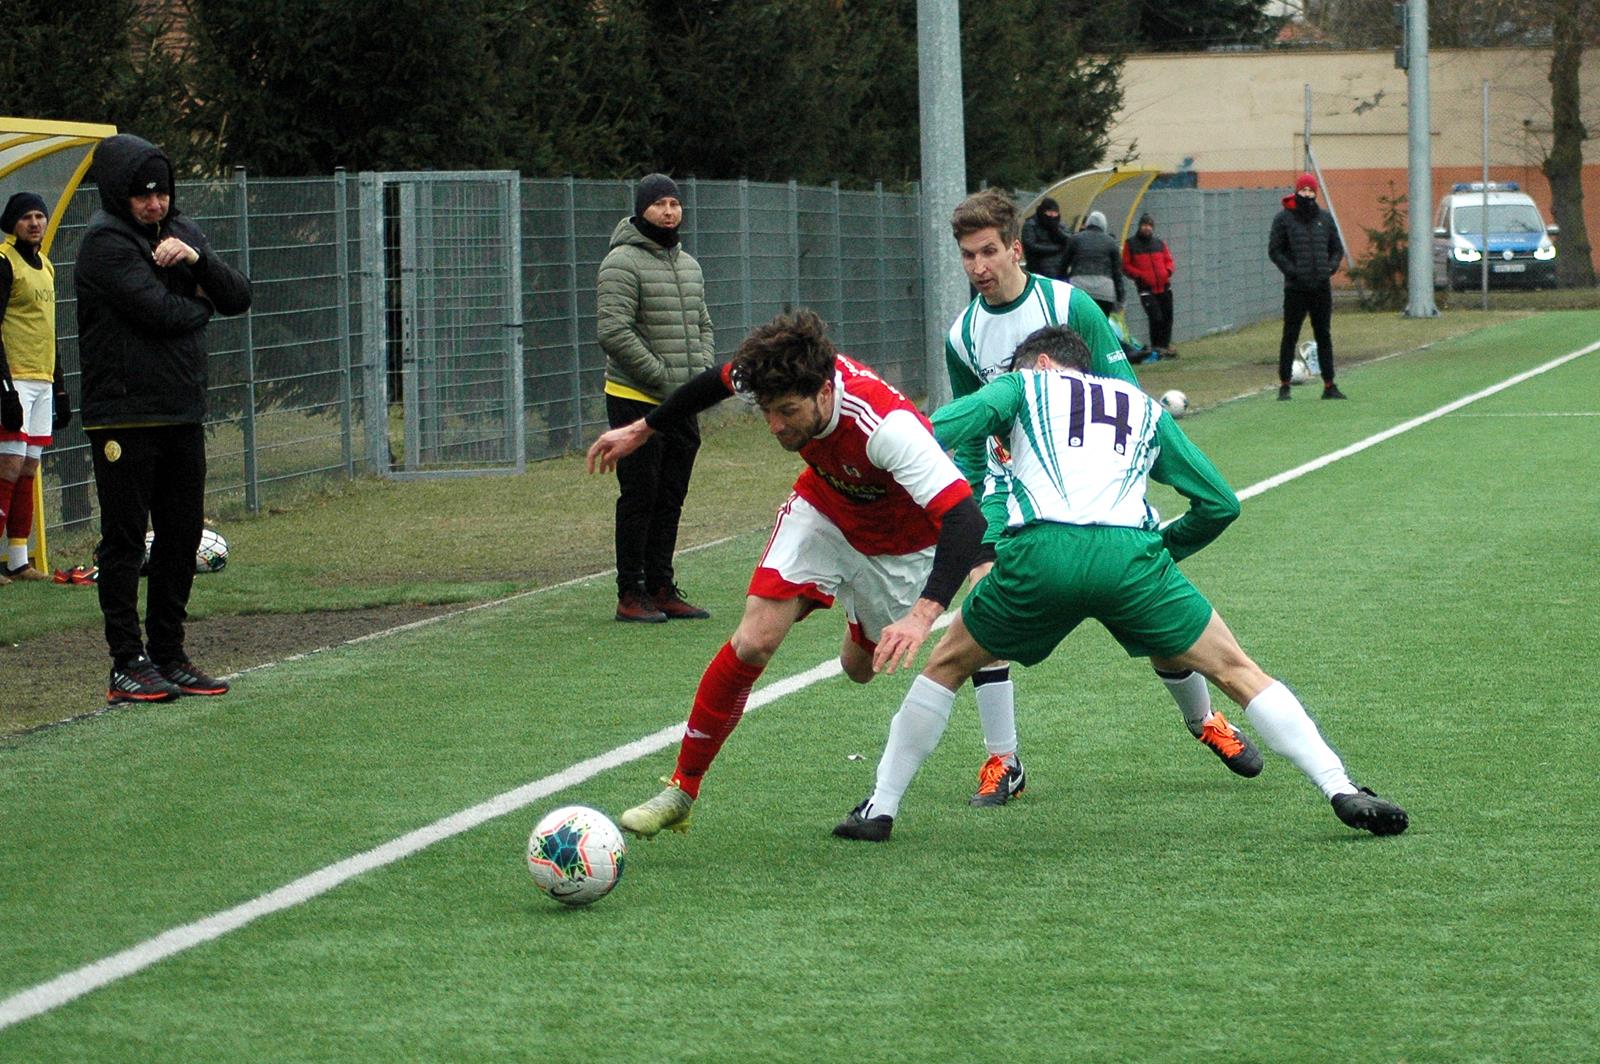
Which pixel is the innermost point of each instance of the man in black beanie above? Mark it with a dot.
(1044, 242)
(656, 333)
(33, 397)
(147, 283)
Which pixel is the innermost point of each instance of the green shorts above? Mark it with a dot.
(1048, 578)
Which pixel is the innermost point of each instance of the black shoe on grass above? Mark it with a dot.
(136, 680)
(190, 680)
(862, 828)
(1365, 810)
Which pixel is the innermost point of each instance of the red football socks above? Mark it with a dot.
(718, 705)
(19, 524)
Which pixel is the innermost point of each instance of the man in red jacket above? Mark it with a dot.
(1147, 260)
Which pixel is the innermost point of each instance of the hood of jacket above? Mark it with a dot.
(116, 160)
(627, 233)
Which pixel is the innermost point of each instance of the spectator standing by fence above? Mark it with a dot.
(1044, 242)
(1147, 260)
(148, 283)
(656, 333)
(33, 399)
(1094, 263)
(1306, 248)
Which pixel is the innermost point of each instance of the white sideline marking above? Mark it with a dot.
(74, 984)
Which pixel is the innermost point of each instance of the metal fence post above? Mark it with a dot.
(794, 243)
(838, 253)
(880, 273)
(341, 269)
(571, 250)
(517, 430)
(745, 294)
(252, 499)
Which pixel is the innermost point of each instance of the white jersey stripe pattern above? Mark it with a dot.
(1081, 450)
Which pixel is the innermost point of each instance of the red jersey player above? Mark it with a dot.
(880, 519)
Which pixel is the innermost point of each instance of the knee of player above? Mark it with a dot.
(755, 646)
(859, 669)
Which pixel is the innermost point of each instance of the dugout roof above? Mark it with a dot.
(1112, 191)
(47, 157)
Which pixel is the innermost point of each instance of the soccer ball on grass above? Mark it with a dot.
(210, 557)
(1299, 372)
(1175, 403)
(575, 855)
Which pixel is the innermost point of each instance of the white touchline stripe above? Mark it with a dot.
(1541, 413)
(74, 984)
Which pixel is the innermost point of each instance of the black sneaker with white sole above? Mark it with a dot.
(864, 828)
(1365, 810)
(190, 680)
(136, 680)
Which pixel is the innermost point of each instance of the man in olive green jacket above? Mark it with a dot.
(656, 333)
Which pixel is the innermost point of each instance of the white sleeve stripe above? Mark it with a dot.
(858, 408)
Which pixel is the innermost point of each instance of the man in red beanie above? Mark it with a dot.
(1305, 246)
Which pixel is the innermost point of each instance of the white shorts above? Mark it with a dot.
(808, 557)
(38, 411)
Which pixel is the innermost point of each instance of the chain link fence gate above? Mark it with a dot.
(441, 266)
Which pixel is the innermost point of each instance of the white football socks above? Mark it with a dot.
(913, 734)
(1193, 696)
(16, 554)
(997, 708)
(1281, 721)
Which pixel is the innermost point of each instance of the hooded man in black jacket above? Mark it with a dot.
(147, 283)
(1306, 248)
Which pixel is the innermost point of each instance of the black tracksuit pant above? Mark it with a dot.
(1158, 311)
(155, 473)
(1296, 305)
(653, 481)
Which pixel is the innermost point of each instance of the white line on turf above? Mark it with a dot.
(74, 984)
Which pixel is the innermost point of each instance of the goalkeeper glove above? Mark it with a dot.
(10, 406)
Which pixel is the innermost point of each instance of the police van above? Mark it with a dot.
(1520, 250)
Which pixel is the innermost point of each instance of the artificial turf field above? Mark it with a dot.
(1430, 597)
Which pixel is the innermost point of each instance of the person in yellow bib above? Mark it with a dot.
(33, 400)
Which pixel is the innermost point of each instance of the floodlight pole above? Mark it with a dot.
(1419, 195)
(944, 180)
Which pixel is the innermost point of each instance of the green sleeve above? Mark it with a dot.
(1085, 318)
(1212, 503)
(987, 412)
(970, 455)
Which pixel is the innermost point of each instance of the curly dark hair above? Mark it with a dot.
(789, 355)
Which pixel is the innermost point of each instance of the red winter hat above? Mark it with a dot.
(1305, 181)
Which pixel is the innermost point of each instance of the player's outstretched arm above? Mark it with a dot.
(899, 642)
(960, 536)
(617, 444)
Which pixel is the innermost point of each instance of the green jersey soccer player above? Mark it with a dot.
(1010, 305)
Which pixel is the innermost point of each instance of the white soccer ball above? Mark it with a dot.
(1175, 403)
(575, 855)
(213, 552)
(1299, 372)
(209, 557)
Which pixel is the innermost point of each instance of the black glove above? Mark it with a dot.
(10, 406)
(62, 416)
